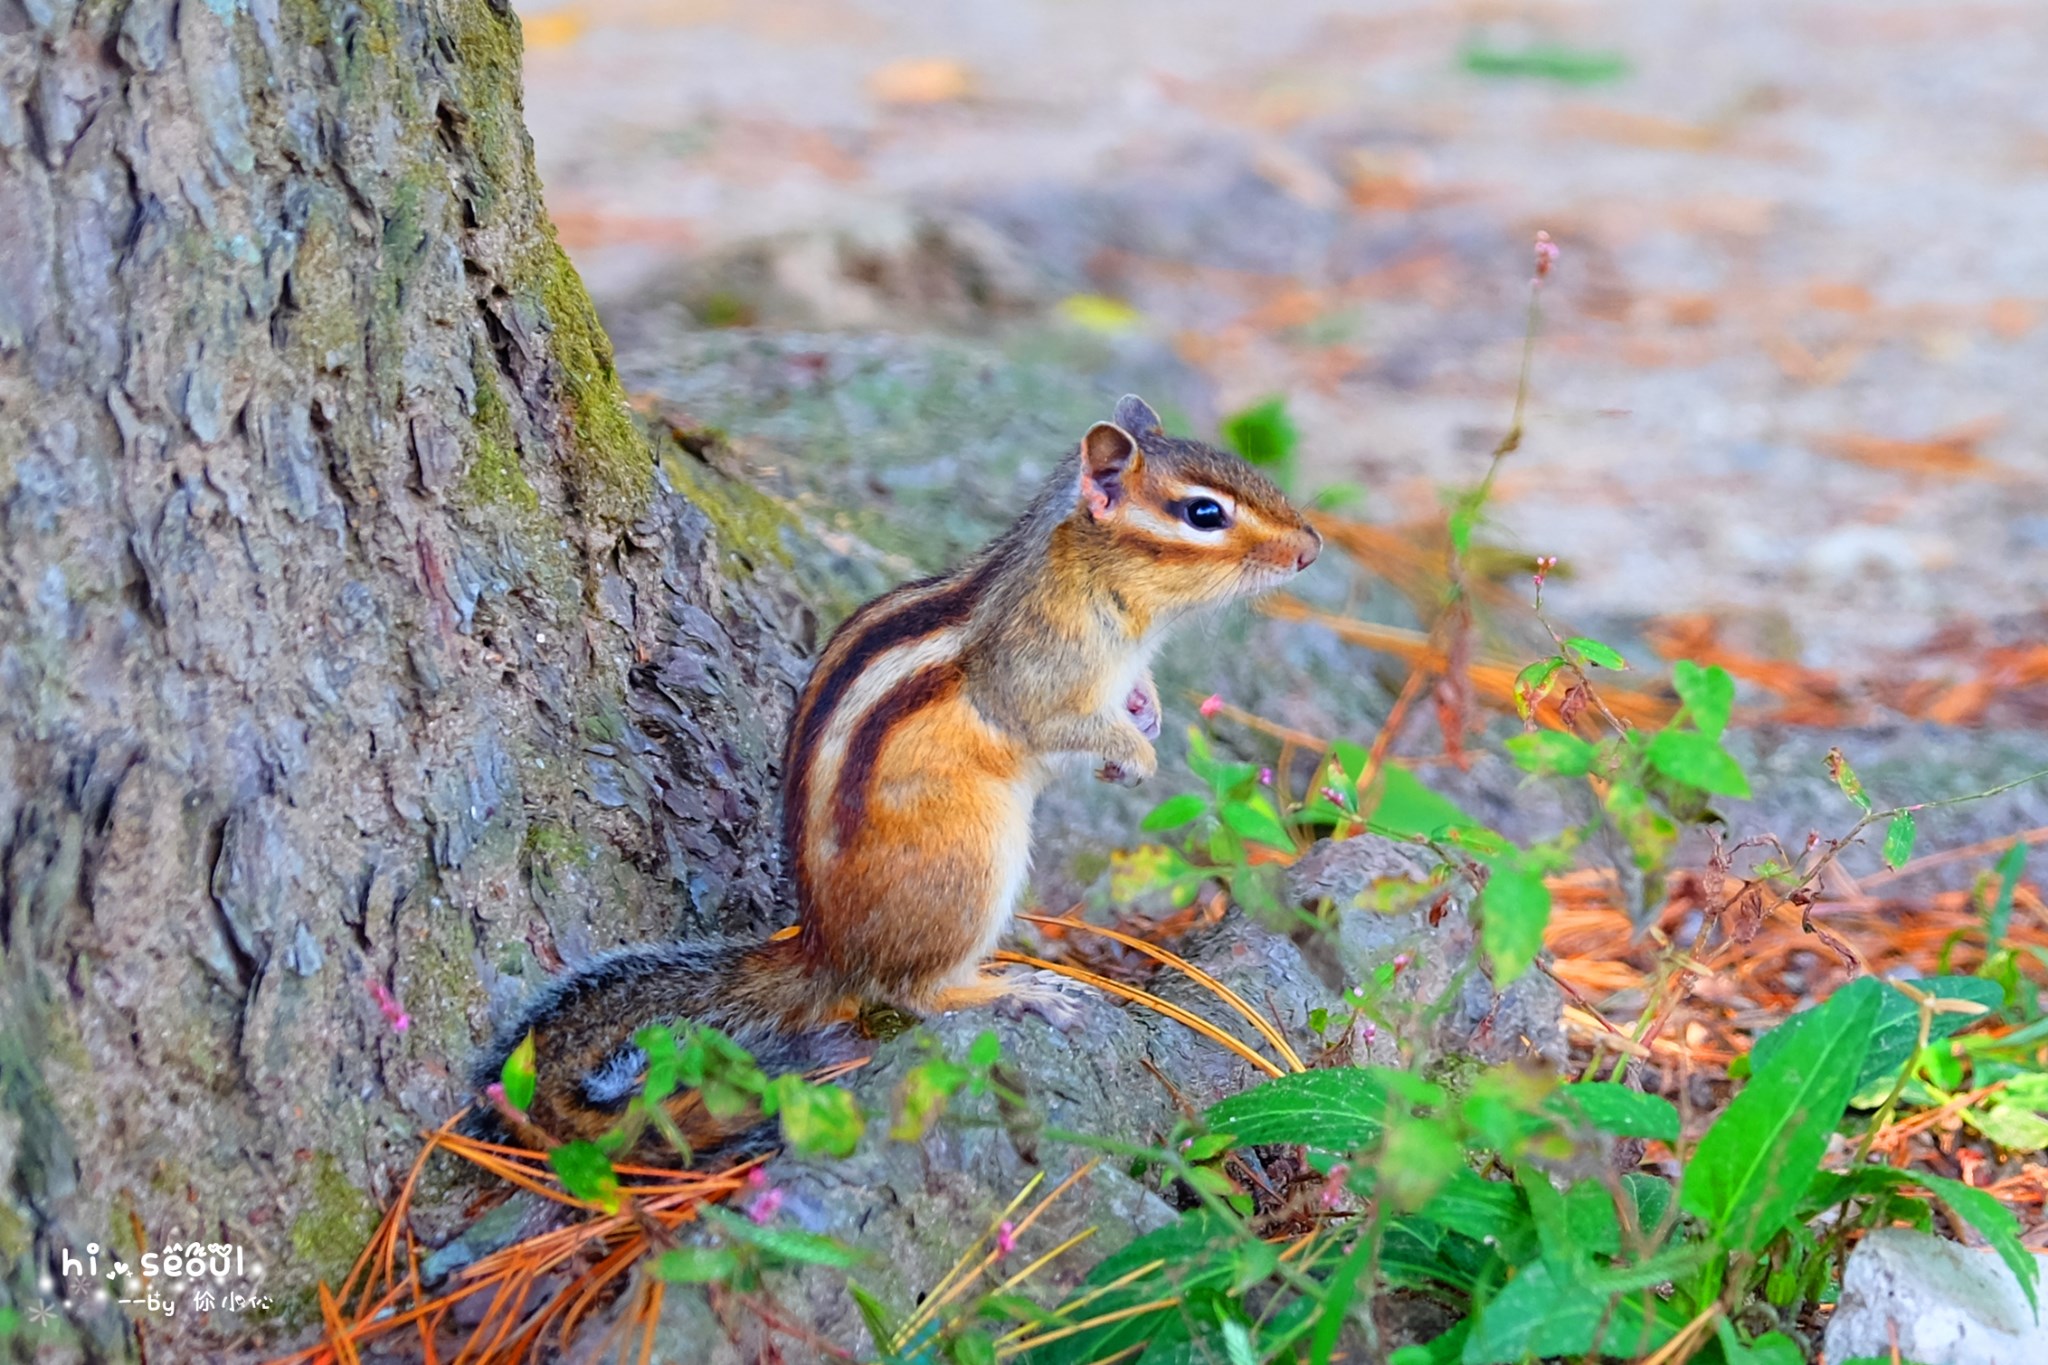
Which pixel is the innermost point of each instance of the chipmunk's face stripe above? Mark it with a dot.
(915, 610)
(857, 772)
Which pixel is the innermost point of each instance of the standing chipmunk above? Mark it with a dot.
(917, 750)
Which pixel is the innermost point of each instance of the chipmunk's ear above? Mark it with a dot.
(1108, 458)
(1135, 415)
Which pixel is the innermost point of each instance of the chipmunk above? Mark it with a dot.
(917, 750)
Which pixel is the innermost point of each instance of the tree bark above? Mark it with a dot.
(359, 655)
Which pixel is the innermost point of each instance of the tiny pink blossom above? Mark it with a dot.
(1265, 777)
(395, 1016)
(1333, 1188)
(1401, 961)
(1367, 1032)
(764, 1209)
(757, 1178)
(1211, 706)
(495, 1093)
(1544, 564)
(1006, 1237)
(1546, 254)
(1333, 796)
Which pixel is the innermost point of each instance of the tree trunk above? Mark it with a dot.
(358, 655)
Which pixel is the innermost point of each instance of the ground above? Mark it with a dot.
(1789, 354)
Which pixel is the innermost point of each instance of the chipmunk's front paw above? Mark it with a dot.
(1059, 1000)
(1131, 765)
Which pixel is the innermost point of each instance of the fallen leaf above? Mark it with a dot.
(553, 28)
(921, 80)
(1953, 452)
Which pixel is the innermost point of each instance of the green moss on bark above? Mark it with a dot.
(610, 464)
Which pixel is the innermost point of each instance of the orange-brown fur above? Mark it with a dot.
(932, 720)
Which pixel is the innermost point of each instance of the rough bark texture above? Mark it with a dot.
(351, 633)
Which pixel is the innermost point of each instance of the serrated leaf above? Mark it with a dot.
(1173, 813)
(517, 1075)
(1698, 760)
(1338, 1109)
(1708, 694)
(1514, 908)
(1597, 654)
(1551, 751)
(587, 1174)
(1609, 1107)
(1750, 1170)
(1898, 840)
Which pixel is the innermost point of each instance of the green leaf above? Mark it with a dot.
(587, 1174)
(1898, 840)
(816, 1119)
(1256, 819)
(1845, 778)
(1708, 694)
(986, 1049)
(1514, 908)
(1263, 433)
(1895, 1034)
(1609, 1107)
(1337, 1109)
(1570, 65)
(1407, 809)
(696, 1265)
(881, 1329)
(790, 1244)
(1595, 653)
(1772, 1348)
(1552, 751)
(1174, 812)
(973, 1348)
(1533, 684)
(1543, 1313)
(1748, 1173)
(1237, 1343)
(2000, 916)
(2012, 1126)
(516, 1076)
(1698, 760)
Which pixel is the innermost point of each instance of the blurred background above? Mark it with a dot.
(1785, 407)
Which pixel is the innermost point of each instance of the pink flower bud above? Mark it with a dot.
(1211, 706)
(1546, 254)
(1006, 1237)
(764, 1209)
(388, 1005)
(1401, 961)
(1265, 777)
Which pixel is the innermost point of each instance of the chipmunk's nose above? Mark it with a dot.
(1308, 556)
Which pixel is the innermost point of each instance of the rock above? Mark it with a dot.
(1121, 1074)
(1436, 934)
(1949, 1305)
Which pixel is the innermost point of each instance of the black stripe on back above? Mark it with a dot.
(875, 636)
(857, 770)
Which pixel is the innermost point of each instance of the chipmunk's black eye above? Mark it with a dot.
(1204, 514)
